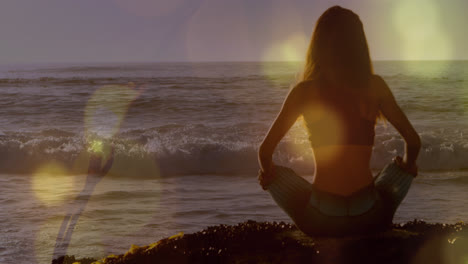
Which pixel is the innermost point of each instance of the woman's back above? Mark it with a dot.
(341, 131)
(340, 99)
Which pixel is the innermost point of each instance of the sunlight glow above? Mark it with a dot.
(334, 132)
(419, 24)
(292, 51)
(107, 108)
(105, 112)
(449, 248)
(96, 146)
(51, 184)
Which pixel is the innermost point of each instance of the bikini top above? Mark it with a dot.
(338, 120)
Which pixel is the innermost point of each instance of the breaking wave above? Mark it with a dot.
(197, 149)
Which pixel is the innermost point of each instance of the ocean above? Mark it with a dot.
(186, 137)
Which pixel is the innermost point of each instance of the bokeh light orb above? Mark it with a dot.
(52, 184)
(107, 108)
(290, 52)
(335, 131)
(96, 146)
(105, 112)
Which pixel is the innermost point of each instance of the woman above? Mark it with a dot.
(340, 100)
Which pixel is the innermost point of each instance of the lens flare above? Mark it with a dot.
(132, 187)
(96, 146)
(51, 183)
(107, 108)
(445, 249)
(418, 23)
(83, 243)
(291, 52)
(103, 117)
(334, 132)
(292, 49)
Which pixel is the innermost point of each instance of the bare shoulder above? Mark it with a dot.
(377, 82)
(380, 87)
(300, 95)
(305, 89)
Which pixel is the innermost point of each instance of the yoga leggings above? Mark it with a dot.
(316, 212)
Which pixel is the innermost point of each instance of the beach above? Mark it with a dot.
(186, 137)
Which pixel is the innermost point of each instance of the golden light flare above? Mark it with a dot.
(96, 146)
(292, 49)
(418, 23)
(81, 161)
(112, 195)
(291, 52)
(334, 131)
(289, 43)
(45, 239)
(107, 108)
(150, 8)
(103, 117)
(131, 162)
(52, 184)
(128, 162)
(449, 249)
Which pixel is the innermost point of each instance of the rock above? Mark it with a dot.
(271, 242)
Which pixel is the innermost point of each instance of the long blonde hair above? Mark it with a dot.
(338, 50)
(338, 54)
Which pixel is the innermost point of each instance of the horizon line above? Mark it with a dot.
(213, 61)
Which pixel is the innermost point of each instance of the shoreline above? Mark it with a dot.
(273, 242)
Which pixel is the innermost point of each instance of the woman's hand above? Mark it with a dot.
(293, 107)
(265, 177)
(411, 169)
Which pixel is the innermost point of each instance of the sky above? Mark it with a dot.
(48, 31)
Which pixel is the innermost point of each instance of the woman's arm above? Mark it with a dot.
(393, 113)
(292, 108)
